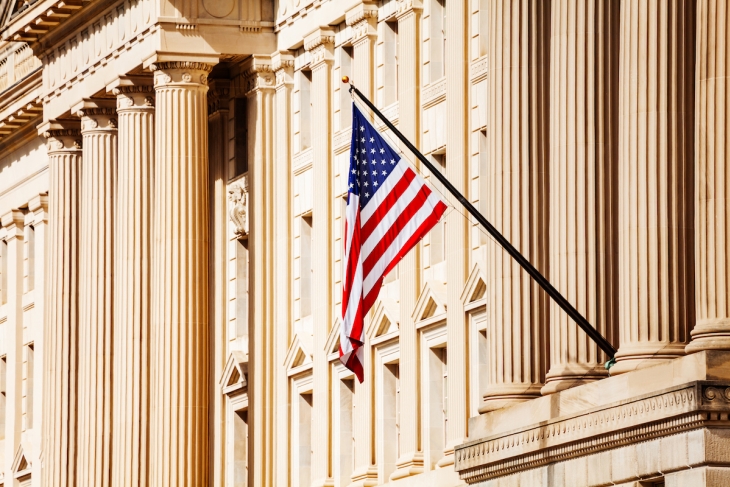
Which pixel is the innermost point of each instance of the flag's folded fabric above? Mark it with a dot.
(389, 209)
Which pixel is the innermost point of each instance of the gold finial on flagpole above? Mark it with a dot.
(345, 79)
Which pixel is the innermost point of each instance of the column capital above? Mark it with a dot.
(133, 92)
(219, 93)
(96, 115)
(320, 44)
(61, 135)
(408, 8)
(181, 73)
(14, 222)
(255, 74)
(39, 206)
(282, 62)
(363, 18)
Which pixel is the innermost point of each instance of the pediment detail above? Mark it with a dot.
(20, 466)
(299, 353)
(235, 373)
(385, 318)
(431, 302)
(475, 287)
(332, 344)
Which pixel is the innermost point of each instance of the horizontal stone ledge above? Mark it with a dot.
(672, 410)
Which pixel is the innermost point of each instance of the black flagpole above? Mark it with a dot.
(534, 273)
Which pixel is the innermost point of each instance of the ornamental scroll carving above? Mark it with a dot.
(239, 209)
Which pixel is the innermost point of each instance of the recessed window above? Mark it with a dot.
(240, 113)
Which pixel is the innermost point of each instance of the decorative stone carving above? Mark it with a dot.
(180, 72)
(219, 8)
(239, 209)
(60, 139)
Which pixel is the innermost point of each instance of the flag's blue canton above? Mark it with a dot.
(371, 159)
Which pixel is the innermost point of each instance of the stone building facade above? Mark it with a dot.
(171, 205)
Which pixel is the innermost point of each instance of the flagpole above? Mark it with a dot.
(524, 263)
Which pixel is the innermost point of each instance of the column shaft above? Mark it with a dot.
(583, 190)
(60, 371)
(457, 236)
(98, 188)
(179, 325)
(518, 197)
(132, 292)
(712, 178)
(656, 200)
(410, 460)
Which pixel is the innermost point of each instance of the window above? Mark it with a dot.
(390, 426)
(240, 114)
(483, 27)
(305, 265)
(437, 244)
(345, 441)
(3, 393)
(29, 264)
(3, 271)
(435, 398)
(28, 365)
(437, 41)
(302, 110)
(388, 64)
(242, 292)
(303, 445)
(240, 448)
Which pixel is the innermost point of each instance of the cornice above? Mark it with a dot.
(680, 408)
(322, 37)
(256, 73)
(406, 8)
(363, 11)
(61, 135)
(38, 20)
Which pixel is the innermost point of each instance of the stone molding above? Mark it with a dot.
(95, 115)
(688, 406)
(219, 94)
(61, 136)
(282, 64)
(180, 73)
(363, 19)
(406, 8)
(434, 93)
(478, 69)
(320, 45)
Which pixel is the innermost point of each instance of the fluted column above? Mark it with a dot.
(321, 45)
(712, 178)
(283, 67)
(363, 19)
(583, 173)
(132, 292)
(410, 460)
(61, 366)
(457, 236)
(179, 324)
(259, 91)
(219, 156)
(518, 197)
(656, 171)
(98, 190)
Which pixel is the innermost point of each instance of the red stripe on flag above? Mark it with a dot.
(387, 204)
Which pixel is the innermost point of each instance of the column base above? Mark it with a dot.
(631, 358)
(323, 483)
(408, 465)
(710, 335)
(502, 395)
(447, 460)
(364, 477)
(571, 375)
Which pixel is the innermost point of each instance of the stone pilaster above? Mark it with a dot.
(583, 189)
(96, 252)
(218, 155)
(363, 19)
(132, 292)
(656, 181)
(14, 222)
(259, 91)
(457, 236)
(712, 179)
(320, 44)
(518, 197)
(38, 205)
(283, 67)
(410, 460)
(179, 325)
(61, 360)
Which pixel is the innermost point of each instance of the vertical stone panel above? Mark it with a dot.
(179, 325)
(656, 187)
(518, 197)
(583, 173)
(61, 359)
(410, 461)
(98, 188)
(712, 178)
(132, 291)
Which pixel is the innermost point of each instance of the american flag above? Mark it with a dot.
(389, 209)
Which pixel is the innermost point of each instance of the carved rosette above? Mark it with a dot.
(181, 73)
(63, 140)
(98, 119)
(238, 197)
(134, 98)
